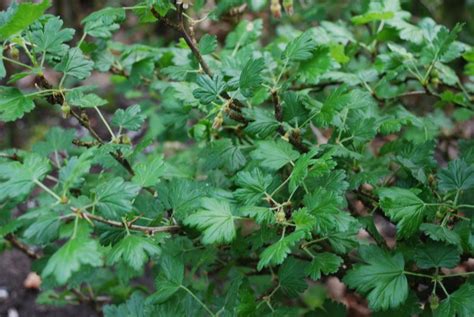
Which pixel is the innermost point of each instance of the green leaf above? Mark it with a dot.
(114, 197)
(262, 215)
(372, 16)
(300, 170)
(460, 303)
(438, 255)
(71, 175)
(325, 263)
(134, 306)
(102, 23)
(50, 38)
(223, 154)
(18, 179)
(161, 6)
(382, 278)
(440, 44)
(43, 230)
(13, 104)
(19, 16)
(457, 176)
(169, 280)
(216, 221)
(251, 77)
(311, 69)
(71, 256)
(86, 100)
(209, 88)
(325, 206)
(181, 196)
(75, 64)
(148, 173)
(404, 207)
(276, 253)
(303, 219)
(131, 118)
(57, 139)
(441, 233)
(133, 250)
(253, 186)
(207, 44)
(264, 123)
(300, 48)
(3, 71)
(274, 154)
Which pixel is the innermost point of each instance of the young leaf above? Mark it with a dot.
(274, 154)
(13, 104)
(131, 118)
(207, 44)
(102, 23)
(300, 171)
(133, 250)
(209, 88)
(277, 252)
(300, 48)
(75, 64)
(382, 278)
(87, 101)
(71, 256)
(251, 77)
(215, 220)
(50, 38)
(403, 206)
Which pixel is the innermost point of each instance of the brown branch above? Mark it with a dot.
(188, 36)
(118, 224)
(294, 136)
(22, 247)
(182, 28)
(84, 121)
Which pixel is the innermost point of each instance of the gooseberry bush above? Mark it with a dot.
(240, 173)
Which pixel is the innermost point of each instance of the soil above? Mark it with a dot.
(14, 268)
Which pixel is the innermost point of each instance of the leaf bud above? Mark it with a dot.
(275, 8)
(280, 216)
(288, 5)
(218, 120)
(66, 110)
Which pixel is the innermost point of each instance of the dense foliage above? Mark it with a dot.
(241, 171)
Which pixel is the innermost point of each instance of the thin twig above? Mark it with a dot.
(118, 224)
(22, 247)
